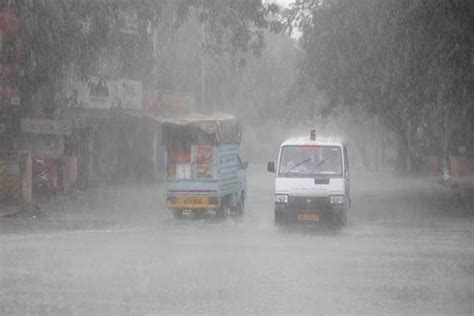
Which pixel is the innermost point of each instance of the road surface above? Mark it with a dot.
(407, 249)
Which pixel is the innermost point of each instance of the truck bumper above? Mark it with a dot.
(190, 202)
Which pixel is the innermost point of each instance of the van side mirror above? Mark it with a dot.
(271, 167)
(246, 164)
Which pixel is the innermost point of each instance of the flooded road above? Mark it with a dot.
(405, 250)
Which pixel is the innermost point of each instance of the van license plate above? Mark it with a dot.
(302, 217)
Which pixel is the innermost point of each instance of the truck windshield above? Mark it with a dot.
(310, 161)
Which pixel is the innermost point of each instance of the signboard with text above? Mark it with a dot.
(45, 127)
(100, 93)
(159, 103)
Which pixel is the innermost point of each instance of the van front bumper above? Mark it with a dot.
(307, 209)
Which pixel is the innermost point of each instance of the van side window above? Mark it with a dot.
(346, 161)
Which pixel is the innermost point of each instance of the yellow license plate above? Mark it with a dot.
(192, 200)
(308, 217)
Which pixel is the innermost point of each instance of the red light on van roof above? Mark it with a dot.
(307, 149)
(313, 135)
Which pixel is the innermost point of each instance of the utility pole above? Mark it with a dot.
(408, 151)
(377, 144)
(203, 67)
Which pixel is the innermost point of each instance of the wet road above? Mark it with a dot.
(405, 250)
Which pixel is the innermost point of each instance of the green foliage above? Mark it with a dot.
(116, 38)
(236, 25)
(71, 36)
(400, 60)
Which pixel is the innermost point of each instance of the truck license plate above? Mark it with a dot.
(192, 200)
(304, 217)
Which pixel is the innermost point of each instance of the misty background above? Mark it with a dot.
(85, 87)
(392, 78)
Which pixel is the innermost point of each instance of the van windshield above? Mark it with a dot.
(310, 161)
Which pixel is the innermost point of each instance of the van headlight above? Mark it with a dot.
(336, 199)
(281, 198)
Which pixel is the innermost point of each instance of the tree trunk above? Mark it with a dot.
(408, 151)
(377, 153)
(363, 153)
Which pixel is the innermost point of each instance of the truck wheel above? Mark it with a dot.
(178, 213)
(220, 212)
(240, 207)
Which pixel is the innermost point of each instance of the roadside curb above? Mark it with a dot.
(6, 211)
(20, 210)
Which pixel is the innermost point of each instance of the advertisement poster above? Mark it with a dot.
(205, 158)
(204, 154)
(10, 187)
(205, 172)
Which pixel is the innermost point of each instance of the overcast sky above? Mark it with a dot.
(280, 2)
(296, 33)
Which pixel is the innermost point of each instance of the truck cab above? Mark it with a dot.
(312, 180)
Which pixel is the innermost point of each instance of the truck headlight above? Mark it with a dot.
(336, 199)
(281, 198)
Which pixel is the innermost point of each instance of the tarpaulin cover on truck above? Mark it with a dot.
(203, 129)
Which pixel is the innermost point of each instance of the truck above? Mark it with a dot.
(312, 180)
(204, 168)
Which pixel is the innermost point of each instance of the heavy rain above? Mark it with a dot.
(236, 157)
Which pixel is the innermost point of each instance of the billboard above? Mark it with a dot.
(130, 94)
(45, 127)
(101, 93)
(158, 103)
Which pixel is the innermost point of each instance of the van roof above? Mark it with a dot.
(320, 141)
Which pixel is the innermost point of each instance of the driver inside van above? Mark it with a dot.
(324, 161)
(333, 161)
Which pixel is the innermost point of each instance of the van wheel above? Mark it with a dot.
(341, 218)
(278, 219)
(220, 212)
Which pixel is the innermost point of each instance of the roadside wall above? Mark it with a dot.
(15, 178)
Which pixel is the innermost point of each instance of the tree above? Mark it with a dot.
(113, 38)
(400, 60)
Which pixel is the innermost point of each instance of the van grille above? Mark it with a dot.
(302, 202)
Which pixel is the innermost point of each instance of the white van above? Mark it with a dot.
(312, 180)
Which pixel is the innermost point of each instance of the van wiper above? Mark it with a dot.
(297, 165)
(318, 164)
